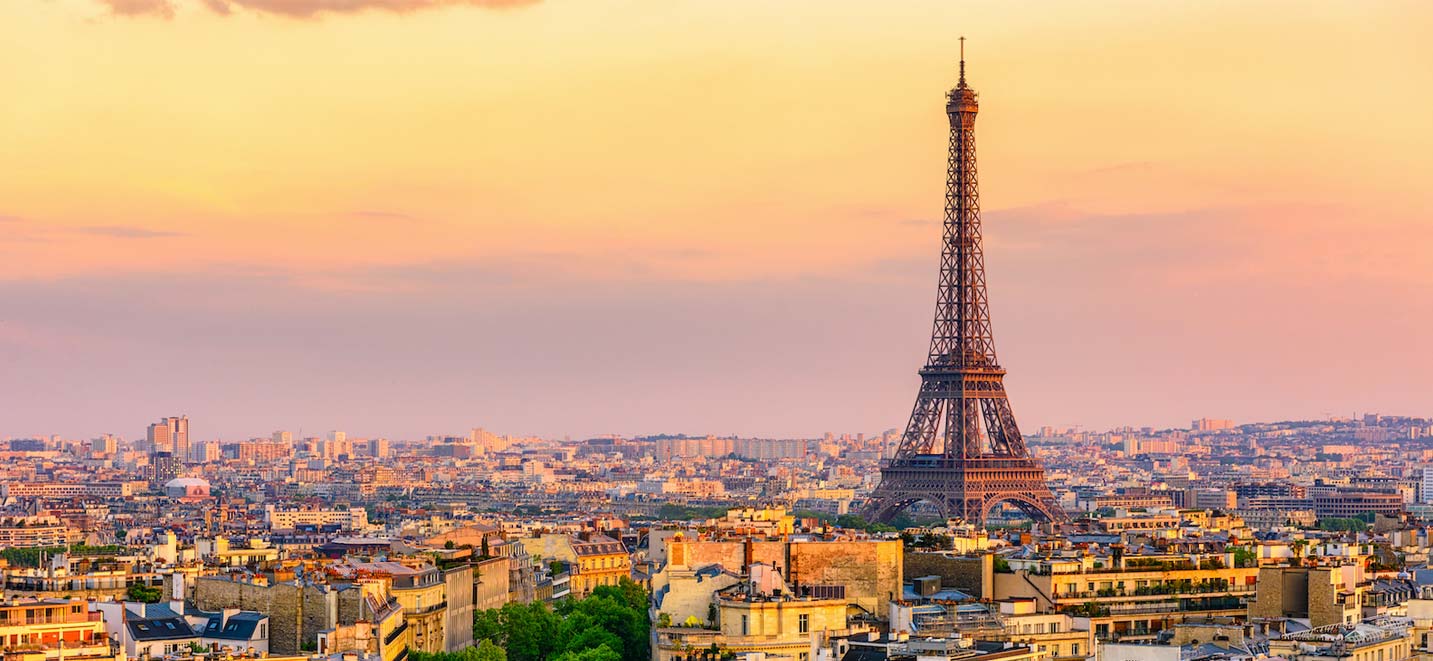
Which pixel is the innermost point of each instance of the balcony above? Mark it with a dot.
(66, 618)
(1196, 605)
(1190, 592)
(429, 609)
(395, 633)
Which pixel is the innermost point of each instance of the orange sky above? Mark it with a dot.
(1212, 205)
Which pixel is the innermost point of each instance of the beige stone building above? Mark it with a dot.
(423, 595)
(867, 571)
(492, 583)
(685, 596)
(1136, 597)
(1052, 634)
(1324, 595)
(760, 615)
(1366, 641)
(594, 559)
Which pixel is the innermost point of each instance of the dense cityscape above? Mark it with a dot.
(957, 537)
(1208, 538)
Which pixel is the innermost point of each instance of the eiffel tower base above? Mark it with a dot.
(962, 491)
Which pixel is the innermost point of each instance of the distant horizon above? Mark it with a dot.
(1027, 431)
(556, 216)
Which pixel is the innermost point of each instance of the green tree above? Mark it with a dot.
(484, 651)
(143, 593)
(1245, 557)
(592, 654)
(530, 631)
(611, 624)
(626, 591)
(535, 634)
(601, 620)
(488, 625)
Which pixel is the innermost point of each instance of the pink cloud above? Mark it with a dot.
(302, 8)
(161, 8)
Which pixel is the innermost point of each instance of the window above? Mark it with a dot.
(1075, 649)
(745, 626)
(803, 623)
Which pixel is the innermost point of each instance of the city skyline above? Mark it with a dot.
(712, 240)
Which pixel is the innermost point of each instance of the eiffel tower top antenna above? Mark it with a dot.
(962, 60)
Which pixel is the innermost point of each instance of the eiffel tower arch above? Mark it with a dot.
(962, 450)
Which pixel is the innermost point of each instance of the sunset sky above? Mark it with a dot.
(410, 217)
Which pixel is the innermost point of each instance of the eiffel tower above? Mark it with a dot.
(961, 450)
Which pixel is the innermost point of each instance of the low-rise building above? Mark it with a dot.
(761, 615)
(1132, 597)
(53, 629)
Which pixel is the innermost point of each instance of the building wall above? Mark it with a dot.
(34, 631)
(870, 569)
(1282, 592)
(600, 569)
(426, 631)
(687, 596)
(459, 583)
(426, 612)
(492, 583)
(296, 614)
(1132, 652)
(971, 575)
(774, 627)
(1324, 602)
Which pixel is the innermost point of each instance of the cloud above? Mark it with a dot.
(127, 232)
(301, 8)
(160, 8)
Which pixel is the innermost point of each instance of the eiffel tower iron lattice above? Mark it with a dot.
(962, 450)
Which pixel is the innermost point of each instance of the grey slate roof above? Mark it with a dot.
(166, 627)
(241, 626)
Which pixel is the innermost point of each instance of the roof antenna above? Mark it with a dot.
(962, 61)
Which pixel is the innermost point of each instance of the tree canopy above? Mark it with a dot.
(483, 651)
(611, 624)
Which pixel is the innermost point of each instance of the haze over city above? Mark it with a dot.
(574, 218)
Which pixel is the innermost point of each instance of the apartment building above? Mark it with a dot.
(52, 629)
(1132, 597)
